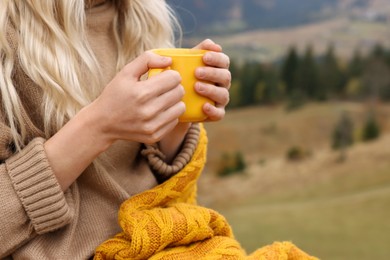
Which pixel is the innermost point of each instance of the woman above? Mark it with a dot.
(75, 117)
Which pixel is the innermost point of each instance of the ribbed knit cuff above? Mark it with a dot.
(38, 189)
(156, 158)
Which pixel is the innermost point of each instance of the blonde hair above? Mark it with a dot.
(54, 52)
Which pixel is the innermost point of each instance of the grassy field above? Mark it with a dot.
(331, 209)
(349, 224)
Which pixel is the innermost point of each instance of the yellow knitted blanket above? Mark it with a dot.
(166, 223)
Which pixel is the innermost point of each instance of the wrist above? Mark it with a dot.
(93, 122)
(170, 144)
(75, 146)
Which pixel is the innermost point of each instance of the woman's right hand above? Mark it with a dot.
(140, 110)
(128, 109)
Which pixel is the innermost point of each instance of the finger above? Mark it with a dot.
(170, 98)
(219, 95)
(153, 129)
(209, 45)
(173, 112)
(153, 107)
(221, 77)
(160, 133)
(165, 122)
(156, 136)
(213, 113)
(163, 82)
(144, 62)
(216, 59)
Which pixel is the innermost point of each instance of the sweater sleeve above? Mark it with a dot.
(156, 158)
(32, 201)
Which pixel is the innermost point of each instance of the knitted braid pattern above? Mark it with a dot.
(166, 223)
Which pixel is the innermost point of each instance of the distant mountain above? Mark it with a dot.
(227, 16)
(263, 30)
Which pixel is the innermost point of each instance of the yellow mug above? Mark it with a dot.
(185, 61)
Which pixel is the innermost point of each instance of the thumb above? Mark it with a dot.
(148, 60)
(209, 45)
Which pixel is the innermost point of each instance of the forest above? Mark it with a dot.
(300, 77)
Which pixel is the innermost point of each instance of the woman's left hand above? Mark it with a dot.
(217, 72)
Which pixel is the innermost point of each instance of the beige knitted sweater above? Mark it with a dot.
(38, 220)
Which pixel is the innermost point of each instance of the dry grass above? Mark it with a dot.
(264, 135)
(331, 209)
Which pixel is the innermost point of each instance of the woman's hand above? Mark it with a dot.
(127, 109)
(217, 72)
(142, 111)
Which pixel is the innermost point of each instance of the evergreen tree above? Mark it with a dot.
(343, 136)
(289, 70)
(235, 94)
(356, 65)
(387, 57)
(332, 78)
(251, 75)
(371, 129)
(376, 80)
(378, 51)
(240, 164)
(235, 90)
(307, 76)
(343, 133)
(376, 76)
(272, 90)
(234, 69)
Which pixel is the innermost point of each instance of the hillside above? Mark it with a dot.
(227, 16)
(269, 27)
(333, 210)
(265, 134)
(345, 34)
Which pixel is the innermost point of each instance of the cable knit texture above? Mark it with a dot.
(166, 223)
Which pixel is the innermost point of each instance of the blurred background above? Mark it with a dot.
(303, 154)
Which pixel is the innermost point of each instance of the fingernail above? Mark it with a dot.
(200, 72)
(207, 58)
(166, 59)
(207, 107)
(200, 86)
